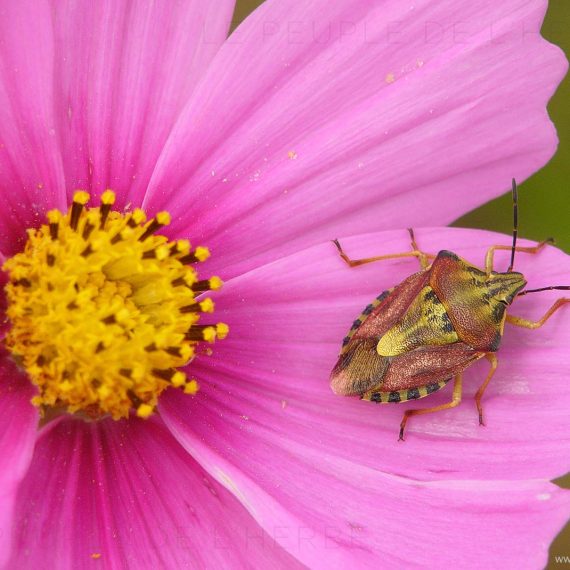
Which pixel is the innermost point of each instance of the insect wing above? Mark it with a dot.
(426, 365)
(359, 366)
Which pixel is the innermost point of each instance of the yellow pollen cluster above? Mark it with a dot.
(104, 312)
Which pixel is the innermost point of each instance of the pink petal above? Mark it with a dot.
(321, 118)
(31, 168)
(125, 71)
(18, 425)
(302, 457)
(89, 92)
(127, 495)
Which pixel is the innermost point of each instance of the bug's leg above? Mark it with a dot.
(519, 322)
(493, 248)
(490, 356)
(423, 258)
(356, 262)
(455, 400)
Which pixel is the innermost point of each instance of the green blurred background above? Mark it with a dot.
(544, 200)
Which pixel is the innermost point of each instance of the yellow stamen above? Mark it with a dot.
(222, 331)
(202, 253)
(81, 197)
(207, 306)
(104, 310)
(191, 387)
(144, 411)
(215, 283)
(108, 197)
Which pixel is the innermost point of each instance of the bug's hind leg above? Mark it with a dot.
(519, 322)
(491, 357)
(420, 255)
(455, 400)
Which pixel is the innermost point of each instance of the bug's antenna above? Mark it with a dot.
(515, 225)
(551, 288)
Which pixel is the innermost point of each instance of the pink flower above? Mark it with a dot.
(313, 120)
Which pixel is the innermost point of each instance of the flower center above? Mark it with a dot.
(104, 312)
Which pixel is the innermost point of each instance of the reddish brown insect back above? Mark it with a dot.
(413, 339)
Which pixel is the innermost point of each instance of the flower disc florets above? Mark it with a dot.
(103, 312)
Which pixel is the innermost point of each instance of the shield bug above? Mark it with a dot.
(414, 338)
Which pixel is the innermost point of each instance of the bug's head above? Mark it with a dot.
(502, 288)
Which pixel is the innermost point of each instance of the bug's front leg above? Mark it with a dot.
(491, 252)
(519, 322)
(423, 258)
(455, 400)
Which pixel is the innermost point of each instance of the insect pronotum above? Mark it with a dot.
(414, 338)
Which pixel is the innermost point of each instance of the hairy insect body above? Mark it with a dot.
(412, 339)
